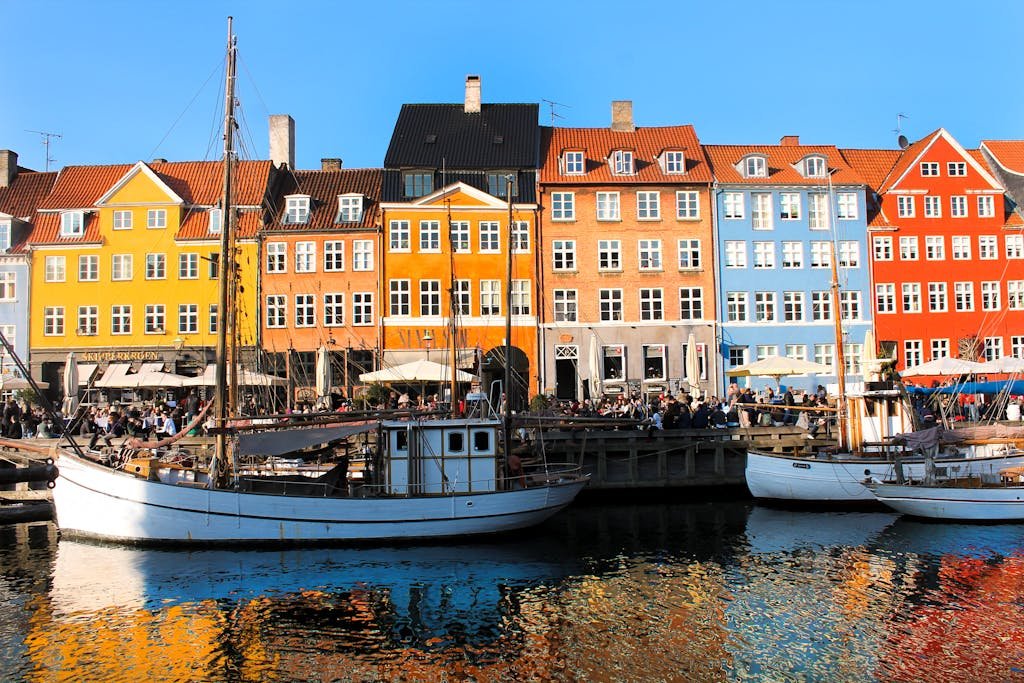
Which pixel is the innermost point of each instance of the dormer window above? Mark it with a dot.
(296, 209)
(755, 167)
(498, 183)
(574, 163)
(71, 224)
(418, 183)
(350, 208)
(216, 217)
(622, 162)
(675, 162)
(5, 235)
(814, 167)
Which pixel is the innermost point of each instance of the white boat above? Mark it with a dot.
(954, 502)
(422, 479)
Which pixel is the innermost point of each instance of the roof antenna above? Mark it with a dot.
(901, 139)
(46, 143)
(552, 104)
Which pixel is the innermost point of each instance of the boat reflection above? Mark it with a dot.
(773, 530)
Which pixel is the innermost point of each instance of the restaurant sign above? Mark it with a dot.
(100, 356)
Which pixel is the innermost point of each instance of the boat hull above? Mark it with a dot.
(773, 476)
(94, 501)
(1002, 504)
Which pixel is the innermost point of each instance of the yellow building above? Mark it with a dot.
(124, 264)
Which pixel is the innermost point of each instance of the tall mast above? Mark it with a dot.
(453, 311)
(507, 411)
(837, 316)
(221, 379)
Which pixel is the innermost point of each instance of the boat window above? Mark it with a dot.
(456, 442)
(402, 441)
(481, 441)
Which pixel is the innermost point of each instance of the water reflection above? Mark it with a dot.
(723, 591)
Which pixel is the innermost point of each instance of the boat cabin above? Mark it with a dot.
(441, 456)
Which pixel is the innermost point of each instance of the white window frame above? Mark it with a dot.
(122, 267)
(609, 255)
(648, 205)
(305, 310)
(691, 303)
(733, 206)
(188, 318)
(565, 305)
(334, 309)
(761, 211)
(960, 245)
(350, 208)
(574, 162)
(400, 298)
(610, 304)
(563, 206)
(120, 319)
(689, 254)
(155, 319)
(490, 237)
(296, 209)
(156, 266)
(938, 297)
(958, 206)
(608, 206)
(188, 266)
(792, 255)
(649, 255)
(563, 255)
(934, 248)
(277, 311)
(72, 224)
(399, 236)
(362, 309)
(88, 321)
(305, 256)
(906, 207)
(277, 257)
(687, 205)
(430, 237)
(988, 247)
(932, 206)
(156, 219)
(122, 220)
(885, 298)
(846, 206)
(986, 206)
(362, 255)
(334, 256)
(735, 254)
(55, 269)
(883, 248)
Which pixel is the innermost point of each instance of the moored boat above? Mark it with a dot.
(955, 500)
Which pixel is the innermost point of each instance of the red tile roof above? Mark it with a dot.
(46, 230)
(646, 143)
(781, 160)
(21, 197)
(906, 158)
(873, 165)
(1009, 153)
(323, 188)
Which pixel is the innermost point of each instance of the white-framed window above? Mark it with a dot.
(814, 167)
(689, 254)
(737, 306)
(156, 219)
(563, 206)
(821, 305)
(988, 247)
(1015, 295)
(522, 302)
(215, 219)
(573, 163)
(821, 254)
(961, 247)
(733, 203)
(883, 248)
(565, 305)
(520, 237)
(610, 304)
(652, 303)
(817, 211)
(905, 206)
(277, 310)
(188, 266)
(990, 295)
(687, 205)
(490, 237)
(122, 220)
(334, 309)
(911, 297)
(88, 320)
(789, 206)
(54, 269)
(430, 236)
(737, 355)
(5, 235)
(72, 224)
(852, 358)
(120, 319)
(305, 310)
(53, 321)
(490, 297)
(958, 206)
(929, 168)
(362, 255)
(609, 255)
(935, 248)
(764, 307)
(563, 255)
(846, 206)
(459, 236)
(885, 297)
(156, 266)
(956, 168)
(755, 167)
(1017, 345)
(908, 249)
(761, 211)
(430, 298)
(334, 256)
(655, 361)
(417, 183)
(797, 351)
(938, 297)
(648, 205)
(986, 206)
(1015, 246)
(940, 348)
(362, 308)
(156, 318)
(7, 286)
(735, 254)
(649, 252)
(793, 307)
(792, 254)
(849, 304)
(622, 162)
(608, 206)
(350, 208)
(849, 254)
(277, 257)
(912, 352)
(296, 209)
(463, 297)
(401, 304)
(932, 206)
(963, 296)
(993, 348)
(766, 351)
(675, 162)
(398, 236)
(188, 318)
(305, 257)
(691, 303)
(212, 318)
(764, 255)
(121, 267)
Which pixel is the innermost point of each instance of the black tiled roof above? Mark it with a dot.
(501, 136)
(393, 189)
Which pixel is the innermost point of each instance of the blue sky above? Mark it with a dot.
(123, 81)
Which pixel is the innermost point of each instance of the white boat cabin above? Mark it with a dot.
(442, 456)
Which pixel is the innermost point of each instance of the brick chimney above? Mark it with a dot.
(622, 116)
(8, 167)
(330, 164)
(472, 105)
(789, 140)
(282, 140)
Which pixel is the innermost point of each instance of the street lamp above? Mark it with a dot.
(428, 341)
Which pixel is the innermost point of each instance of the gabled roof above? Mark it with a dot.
(782, 164)
(1009, 154)
(437, 197)
(25, 193)
(873, 165)
(647, 143)
(501, 136)
(135, 170)
(913, 153)
(323, 188)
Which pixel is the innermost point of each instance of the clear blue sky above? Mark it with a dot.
(130, 80)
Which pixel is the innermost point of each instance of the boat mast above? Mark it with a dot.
(837, 316)
(506, 407)
(221, 396)
(454, 305)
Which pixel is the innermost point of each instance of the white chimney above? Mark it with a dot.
(282, 140)
(472, 94)
(622, 116)
(8, 167)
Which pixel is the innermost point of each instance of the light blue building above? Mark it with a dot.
(782, 211)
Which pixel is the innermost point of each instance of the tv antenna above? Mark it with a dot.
(551, 105)
(47, 137)
(901, 139)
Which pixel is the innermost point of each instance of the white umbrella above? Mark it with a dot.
(12, 383)
(70, 405)
(323, 372)
(245, 378)
(945, 367)
(1006, 364)
(595, 368)
(416, 371)
(692, 367)
(779, 366)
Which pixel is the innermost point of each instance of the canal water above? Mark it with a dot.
(603, 592)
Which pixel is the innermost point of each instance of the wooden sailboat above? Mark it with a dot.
(418, 479)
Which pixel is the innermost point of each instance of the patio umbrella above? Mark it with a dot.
(323, 375)
(1006, 364)
(692, 367)
(779, 366)
(70, 405)
(595, 368)
(945, 367)
(416, 371)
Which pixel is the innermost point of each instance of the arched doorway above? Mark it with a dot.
(493, 370)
